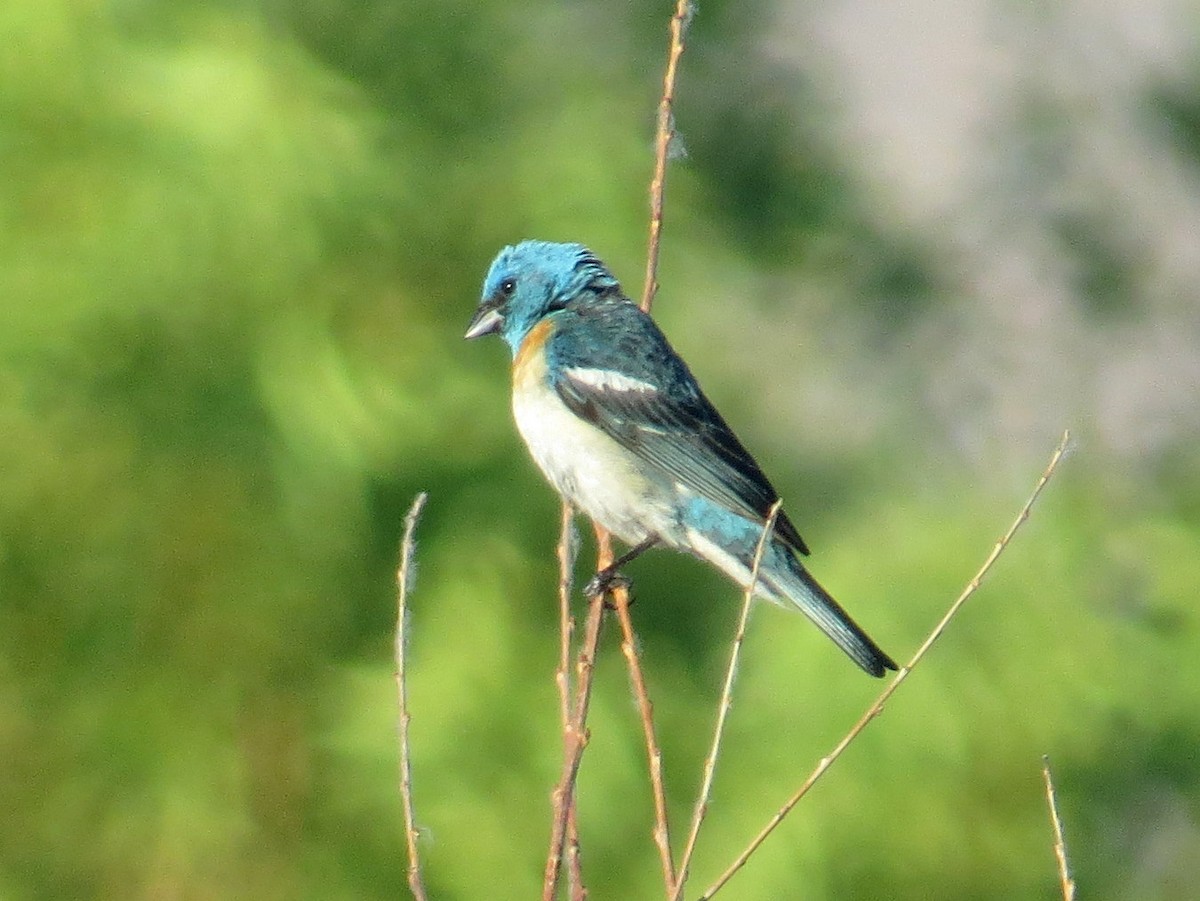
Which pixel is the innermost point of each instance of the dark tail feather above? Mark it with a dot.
(792, 582)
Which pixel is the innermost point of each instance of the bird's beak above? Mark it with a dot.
(486, 321)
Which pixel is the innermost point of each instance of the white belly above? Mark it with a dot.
(590, 469)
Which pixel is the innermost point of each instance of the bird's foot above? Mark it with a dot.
(605, 581)
(610, 577)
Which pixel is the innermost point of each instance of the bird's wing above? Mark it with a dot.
(642, 395)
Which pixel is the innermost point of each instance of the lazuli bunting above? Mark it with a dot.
(619, 426)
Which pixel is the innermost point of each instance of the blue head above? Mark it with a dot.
(529, 281)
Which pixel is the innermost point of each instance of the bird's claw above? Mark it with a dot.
(604, 582)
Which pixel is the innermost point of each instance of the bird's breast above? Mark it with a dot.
(529, 365)
(585, 465)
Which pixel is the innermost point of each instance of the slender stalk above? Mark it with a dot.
(664, 135)
(1066, 882)
(574, 741)
(403, 584)
(566, 551)
(566, 622)
(620, 602)
(877, 707)
(710, 762)
(574, 728)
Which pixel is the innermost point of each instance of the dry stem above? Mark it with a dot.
(574, 728)
(620, 602)
(1060, 846)
(566, 622)
(567, 548)
(876, 708)
(575, 739)
(710, 762)
(403, 582)
(664, 134)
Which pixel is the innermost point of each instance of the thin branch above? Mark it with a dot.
(567, 548)
(710, 762)
(565, 826)
(577, 889)
(574, 731)
(403, 584)
(574, 741)
(1060, 846)
(566, 622)
(664, 135)
(620, 602)
(876, 708)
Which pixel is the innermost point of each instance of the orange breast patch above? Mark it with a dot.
(530, 362)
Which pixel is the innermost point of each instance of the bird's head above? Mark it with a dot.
(531, 280)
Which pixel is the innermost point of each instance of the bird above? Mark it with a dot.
(619, 426)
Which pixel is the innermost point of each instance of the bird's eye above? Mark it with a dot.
(508, 286)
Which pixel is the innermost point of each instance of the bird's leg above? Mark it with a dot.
(610, 576)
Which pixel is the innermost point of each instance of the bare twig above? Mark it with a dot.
(565, 825)
(403, 583)
(620, 602)
(577, 889)
(877, 707)
(1060, 846)
(664, 135)
(567, 548)
(566, 563)
(575, 727)
(574, 741)
(710, 762)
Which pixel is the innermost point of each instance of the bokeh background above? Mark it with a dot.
(906, 245)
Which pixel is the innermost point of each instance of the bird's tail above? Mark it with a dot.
(786, 579)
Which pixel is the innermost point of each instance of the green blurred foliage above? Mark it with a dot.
(238, 246)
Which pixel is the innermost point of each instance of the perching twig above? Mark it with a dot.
(620, 602)
(403, 583)
(575, 729)
(664, 135)
(574, 741)
(876, 708)
(567, 548)
(1060, 846)
(566, 565)
(710, 762)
